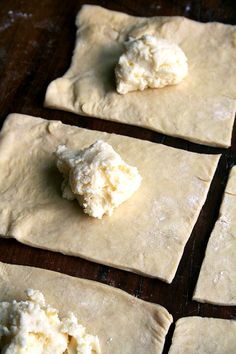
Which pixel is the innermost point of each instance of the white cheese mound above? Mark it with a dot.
(32, 327)
(97, 177)
(150, 62)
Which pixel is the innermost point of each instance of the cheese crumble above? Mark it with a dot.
(150, 62)
(32, 326)
(97, 177)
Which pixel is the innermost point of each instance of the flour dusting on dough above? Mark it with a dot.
(193, 200)
(220, 276)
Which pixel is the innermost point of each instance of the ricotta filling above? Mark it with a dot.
(32, 326)
(97, 177)
(150, 62)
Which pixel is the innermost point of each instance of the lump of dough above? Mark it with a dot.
(97, 177)
(150, 62)
(32, 326)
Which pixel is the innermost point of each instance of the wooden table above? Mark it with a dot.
(36, 43)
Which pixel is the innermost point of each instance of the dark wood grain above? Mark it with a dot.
(36, 43)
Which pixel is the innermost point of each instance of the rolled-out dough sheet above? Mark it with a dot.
(217, 280)
(123, 323)
(146, 234)
(200, 109)
(202, 335)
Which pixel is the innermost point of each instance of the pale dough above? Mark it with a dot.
(123, 323)
(146, 234)
(198, 335)
(200, 109)
(217, 280)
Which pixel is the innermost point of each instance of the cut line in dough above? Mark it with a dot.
(200, 109)
(123, 323)
(146, 234)
(217, 280)
(203, 335)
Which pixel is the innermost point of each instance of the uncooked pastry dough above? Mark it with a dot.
(217, 280)
(146, 234)
(198, 335)
(123, 323)
(200, 109)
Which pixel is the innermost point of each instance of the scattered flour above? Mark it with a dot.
(13, 16)
(187, 8)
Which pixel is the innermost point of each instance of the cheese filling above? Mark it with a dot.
(150, 62)
(33, 327)
(97, 177)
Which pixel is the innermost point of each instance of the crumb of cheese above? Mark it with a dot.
(150, 62)
(97, 177)
(33, 327)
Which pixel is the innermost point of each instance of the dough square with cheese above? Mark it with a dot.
(203, 335)
(200, 109)
(217, 280)
(146, 234)
(123, 323)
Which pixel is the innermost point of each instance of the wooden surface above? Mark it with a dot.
(36, 43)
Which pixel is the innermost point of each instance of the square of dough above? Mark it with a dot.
(217, 280)
(200, 109)
(123, 323)
(198, 335)
(146, 234)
